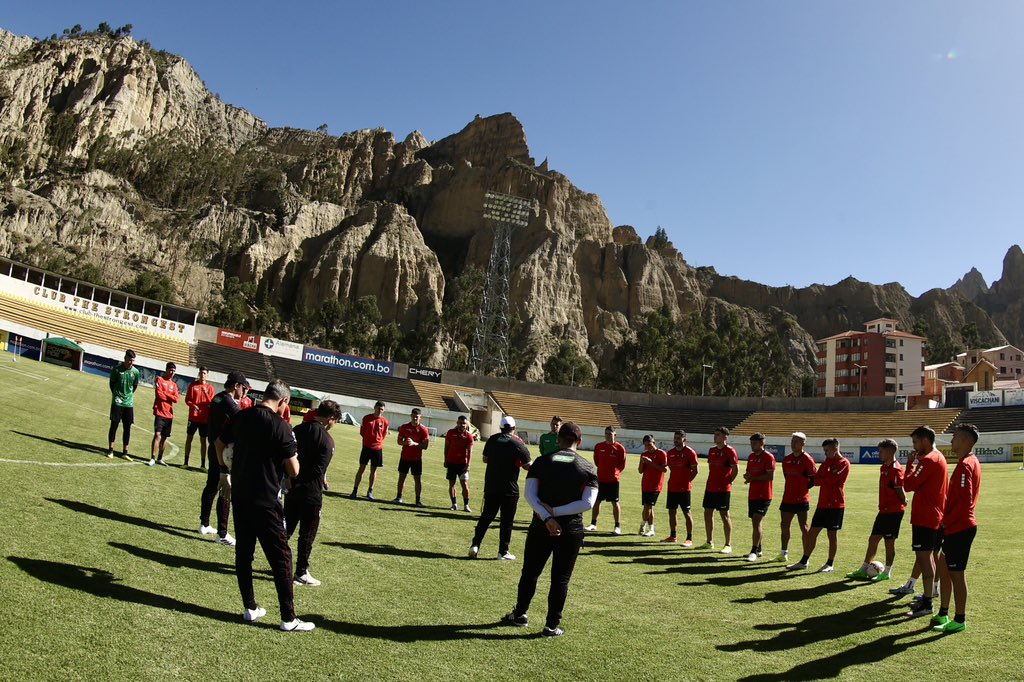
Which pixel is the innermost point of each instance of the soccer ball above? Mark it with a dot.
(874, 568)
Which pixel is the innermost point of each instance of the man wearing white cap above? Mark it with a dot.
(798, 468)
(504, 454)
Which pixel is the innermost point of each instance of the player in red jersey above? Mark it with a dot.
(682, 465)
(458, 451)
(374, 431)
(960, 527)
(926, 478)
(653, 465)
(723, 467)
(831, 482)
(167, 395)
(892, 503)
(759, 475)
(198, 398)
(610, 460)
(414, 439)
(798, 468)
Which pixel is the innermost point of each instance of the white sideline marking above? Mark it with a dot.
(40, 377)
(172, 449)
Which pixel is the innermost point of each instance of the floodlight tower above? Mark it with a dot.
(490, 347)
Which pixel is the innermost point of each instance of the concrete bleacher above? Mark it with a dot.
(541, 409)
(990, 419)
(224, 359)
(346, 383)
(81, 328)
(645, 418)
(436, 396)
(893, 424)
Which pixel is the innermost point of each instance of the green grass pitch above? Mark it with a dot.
(103, 576)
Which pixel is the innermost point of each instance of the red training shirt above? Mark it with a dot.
(419, 434)
(610, 460)
(374, 430)
(889, 482)
(653, 480)
(799, 471)
(962, 496)
(310, 416)
(198, 398)
(458, 447)
(682, 465)
(831, 482)
(927, 480)
(759, 464)
(166, 395)
(720, 461)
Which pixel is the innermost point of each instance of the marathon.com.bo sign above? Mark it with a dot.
(330, 358)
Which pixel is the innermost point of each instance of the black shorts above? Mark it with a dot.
(125, 415)
(196, 426)
(829, 519)
(162, 426)
(413, 466)
(758, 508)
(926, 539)
(456, 471)
(678, 500)
(649, 498)
(719, 501)
(888, 525)
(375, 458)
(794, 507)
(957, 548)
(608, 492)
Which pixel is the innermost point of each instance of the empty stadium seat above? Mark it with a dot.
(990, 419)
(541, 409)
(644, 418)
(346, 383)
(892, 424)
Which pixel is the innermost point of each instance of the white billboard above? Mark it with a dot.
(978, 399)
(1013, 397)
(281, 348)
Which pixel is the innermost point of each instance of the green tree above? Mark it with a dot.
(460, 317)
(568, 366)
(152, 285)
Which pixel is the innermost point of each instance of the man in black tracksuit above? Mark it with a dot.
(222, 409)
(305, 497)
(560, 487)
(504, 454)
(264, 450)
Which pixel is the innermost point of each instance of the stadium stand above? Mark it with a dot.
(541, 409)
(225, 359)
(436, 396)
(994, 419)
(894, 424)
(346, 383)
(645, 418)
(93, 330)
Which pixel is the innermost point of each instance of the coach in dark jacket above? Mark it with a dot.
(504, 454)
(305, 499)
(264, 449)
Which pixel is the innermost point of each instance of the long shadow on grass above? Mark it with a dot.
(100, 512)
(832, 627)
(813, 592)
(65, 443)
(104, 584)
(390, 550)
(439, 632)
(176, 561)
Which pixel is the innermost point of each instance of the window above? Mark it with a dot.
(890, 388)
(1002, 356)
(901, 342)
(890, 343)
(1002, 370)
(890, 357)
(901, 372)
(842, 358)
(865, 356)
(901, 387)
(890, 372)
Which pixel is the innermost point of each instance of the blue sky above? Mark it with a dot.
(784, 142)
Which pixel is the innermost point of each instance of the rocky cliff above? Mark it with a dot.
(364, 213)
